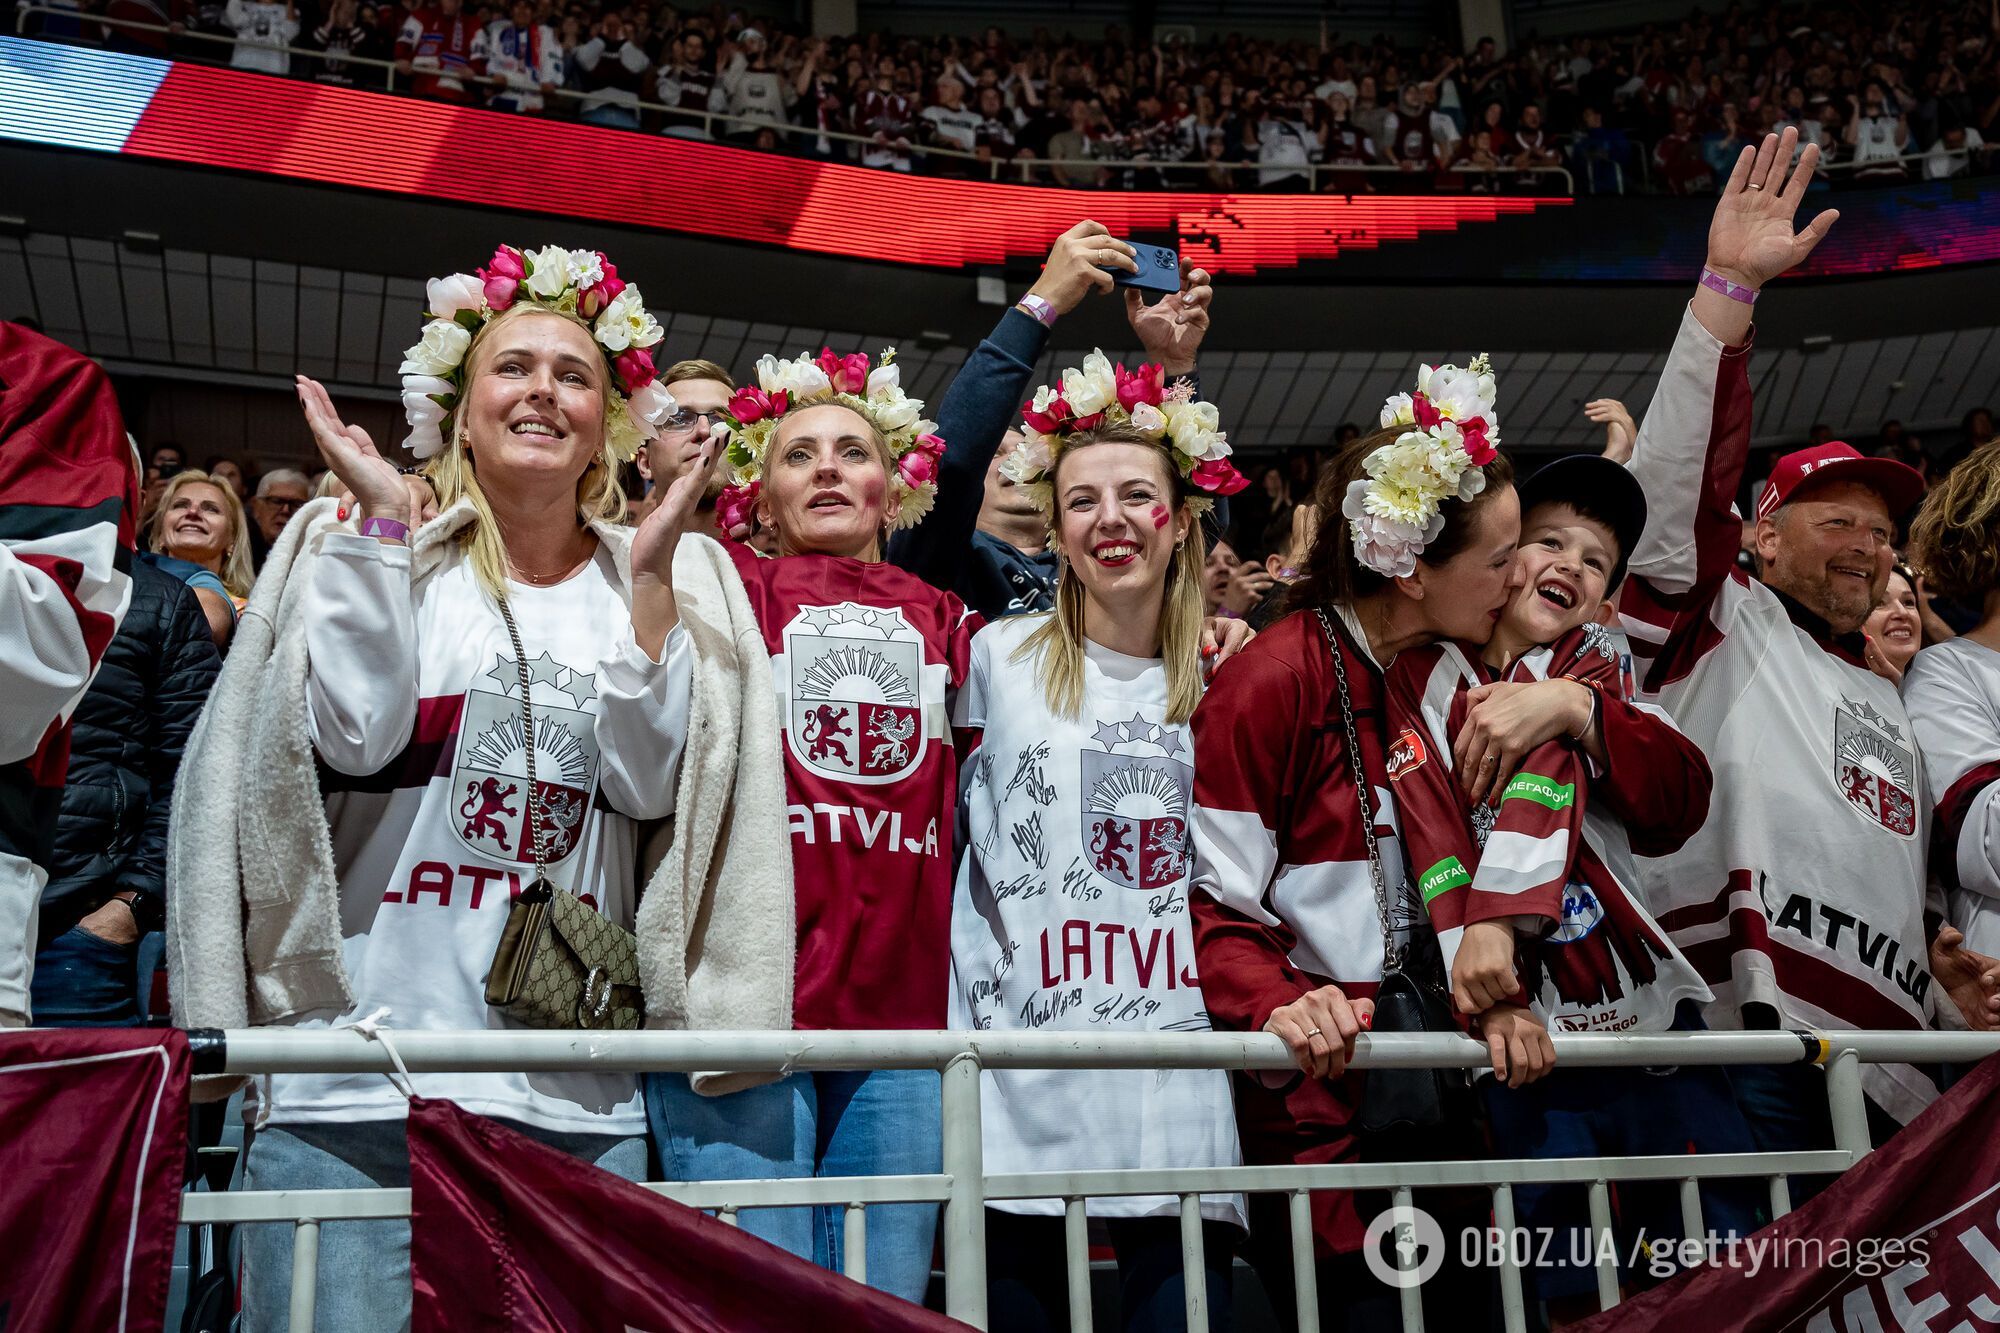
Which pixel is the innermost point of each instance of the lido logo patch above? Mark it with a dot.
(1406, 755)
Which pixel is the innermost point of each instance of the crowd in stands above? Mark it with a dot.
(1078, 702)
(1898, 91)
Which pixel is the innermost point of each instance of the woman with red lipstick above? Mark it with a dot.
(1071, 905)
(1296, 852)
(829, 455)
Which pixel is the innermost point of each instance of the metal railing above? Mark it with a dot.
(964, 1189)
(721, 126)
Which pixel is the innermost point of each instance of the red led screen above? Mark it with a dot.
(246, 122)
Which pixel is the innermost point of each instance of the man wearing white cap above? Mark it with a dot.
(1802, 901)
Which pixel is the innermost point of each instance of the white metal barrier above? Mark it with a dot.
(964, 1188)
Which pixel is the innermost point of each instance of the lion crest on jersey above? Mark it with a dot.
(489, 772)
(1873, 767)
(1136, 796)
(854, 682)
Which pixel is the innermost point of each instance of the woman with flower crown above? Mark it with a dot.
(1298, 871)
(506, 693)
(1071, 906)
(829, 455)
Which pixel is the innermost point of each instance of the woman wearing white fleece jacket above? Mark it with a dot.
(398, 669)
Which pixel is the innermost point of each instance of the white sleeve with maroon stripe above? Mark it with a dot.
(361, 653)
(48, 658)
(1953, 694)
(1689, 459)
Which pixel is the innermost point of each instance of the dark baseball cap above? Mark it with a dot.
(1899, 485)
(1595, 485)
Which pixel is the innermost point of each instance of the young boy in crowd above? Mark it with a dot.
(1526, 867)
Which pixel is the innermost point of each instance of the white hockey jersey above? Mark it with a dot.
(1953, 693)
(413, 703)
(1805, 890)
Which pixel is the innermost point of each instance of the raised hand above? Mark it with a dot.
(1750, 240)
(1171, 329)
(1619, 431)
(659, 535)
(1077, 263)
(350, 455)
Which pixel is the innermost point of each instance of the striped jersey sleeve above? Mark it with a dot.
(1953, 694)
(1689, 459)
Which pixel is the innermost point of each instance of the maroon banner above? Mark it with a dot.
(1907, 1240)
(93, 1146)
(509, 1234)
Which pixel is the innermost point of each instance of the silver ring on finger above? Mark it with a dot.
(1755, 186)
(1489, 759)
(1312, 1032)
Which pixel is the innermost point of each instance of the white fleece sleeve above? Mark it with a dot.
(642, 725)
(361, 653)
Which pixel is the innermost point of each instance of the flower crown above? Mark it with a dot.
(582, 283)
(807, 381)
(1396, 510)
(1100, 394)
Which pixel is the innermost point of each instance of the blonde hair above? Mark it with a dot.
(1955, 539)
(452, 475)
(1057, 643)
(237, 575)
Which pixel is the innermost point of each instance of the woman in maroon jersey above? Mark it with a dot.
(828, 454)
(1292, 854)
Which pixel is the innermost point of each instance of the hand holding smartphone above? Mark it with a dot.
(1159, 269)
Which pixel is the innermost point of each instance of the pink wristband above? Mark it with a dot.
(1038, 310)
(385, 527)
(1735, 291)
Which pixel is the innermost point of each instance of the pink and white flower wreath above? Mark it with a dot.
(580, 283)
(1396, 510)
(1099, 393)
(809, 381)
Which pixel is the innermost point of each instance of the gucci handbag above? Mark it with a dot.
(560, 964)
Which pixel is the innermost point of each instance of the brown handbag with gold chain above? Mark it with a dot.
(560, 963)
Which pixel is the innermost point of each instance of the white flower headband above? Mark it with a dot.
(808, 381)
(1100, 393)
(582, 283)
(1396, 510)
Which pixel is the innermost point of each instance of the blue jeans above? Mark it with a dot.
(82, 981)
(884, 1123)
(364, 1267)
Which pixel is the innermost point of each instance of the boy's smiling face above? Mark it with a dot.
(1565, 564)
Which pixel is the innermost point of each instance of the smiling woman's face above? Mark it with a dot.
(534, 406)
(826, 484)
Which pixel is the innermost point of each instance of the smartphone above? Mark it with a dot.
(1159, 269)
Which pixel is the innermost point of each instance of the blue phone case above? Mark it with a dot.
(1159, 269)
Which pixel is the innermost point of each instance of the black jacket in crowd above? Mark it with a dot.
(125, 747)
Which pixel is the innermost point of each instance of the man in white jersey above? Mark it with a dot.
(1802, 900)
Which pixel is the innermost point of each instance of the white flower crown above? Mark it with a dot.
(1396, 510)
(808, 381)
(582, 283)
(1100, 393)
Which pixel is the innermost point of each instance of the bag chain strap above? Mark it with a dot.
(1392, 957)
(535, 832)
